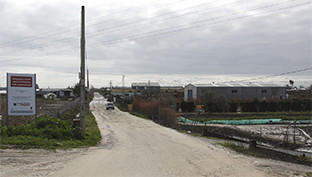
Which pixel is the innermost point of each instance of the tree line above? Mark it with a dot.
(218, 103)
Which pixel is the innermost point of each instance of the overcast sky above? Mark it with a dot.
(172, 42)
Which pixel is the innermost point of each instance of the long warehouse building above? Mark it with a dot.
(236, 91)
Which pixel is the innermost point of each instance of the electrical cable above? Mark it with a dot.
(172, 30)
(274, 75)
(60, 31)
(194, 25)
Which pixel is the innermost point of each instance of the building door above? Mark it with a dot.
(190, 94)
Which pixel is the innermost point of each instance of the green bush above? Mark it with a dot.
(71, 114)
(47, 127)
(50, 122)
(19, 130)
(187, 106)
(287, 105)
(3, 131)
(51, 133)
(77, 133)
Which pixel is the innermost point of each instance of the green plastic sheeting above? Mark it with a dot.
(231, 122)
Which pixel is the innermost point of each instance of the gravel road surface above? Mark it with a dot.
(136, 147)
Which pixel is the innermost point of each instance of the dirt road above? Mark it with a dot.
(136, 147)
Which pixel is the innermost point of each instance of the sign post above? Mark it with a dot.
(21, 94)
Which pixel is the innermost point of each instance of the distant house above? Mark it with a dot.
(60, 93)
(153, 87)
(124, 91)
(176, 91)
(50, 96)
(44, 92)
(236, 91)
(3, 92)
(66, 93)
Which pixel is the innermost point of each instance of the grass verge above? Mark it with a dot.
(199, 135)
(51, 133)
(253, 115)
(139, 115)
(269, 154)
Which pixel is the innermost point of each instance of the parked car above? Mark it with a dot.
(110, 106)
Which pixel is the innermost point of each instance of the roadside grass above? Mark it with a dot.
(199, 135)
(122, 109)
(262, 153)
(52, 133)
(309, 174)
(241, 149)
(139, 115)
(255, 115)
(132, 112)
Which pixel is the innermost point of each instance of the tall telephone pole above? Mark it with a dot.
(88, 91)
(82, 72)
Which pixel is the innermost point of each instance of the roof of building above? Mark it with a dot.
(171, 87)
(236, 85)
(144, 84)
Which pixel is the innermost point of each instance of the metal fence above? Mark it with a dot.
(67, 107)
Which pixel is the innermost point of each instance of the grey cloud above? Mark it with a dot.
(271, 43)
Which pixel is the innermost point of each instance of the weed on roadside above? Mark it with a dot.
(309, 174)
(51, 133)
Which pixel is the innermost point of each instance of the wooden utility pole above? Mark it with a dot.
(82, 72)
(88, 92)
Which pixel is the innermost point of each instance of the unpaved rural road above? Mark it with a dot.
(136, 147)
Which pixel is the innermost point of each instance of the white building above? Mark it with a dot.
(236, 91)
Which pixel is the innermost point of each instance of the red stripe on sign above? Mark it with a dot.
(21, 81)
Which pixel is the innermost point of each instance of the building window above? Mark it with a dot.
(264, 91)
(234, 91)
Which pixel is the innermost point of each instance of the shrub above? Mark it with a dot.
(47, 127)
(3, 131)
(168, 117)
(215, 102)
(47, 121)
(77, 133)
(71, 114)
(145, 106)
(19, 130)
(187, 106)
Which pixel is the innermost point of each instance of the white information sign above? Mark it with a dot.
(21, 92)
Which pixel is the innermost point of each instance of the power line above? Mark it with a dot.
(166, 16)
(274, 75)
(197, 24)
(76, 38)
(62, 30)
(131, 11)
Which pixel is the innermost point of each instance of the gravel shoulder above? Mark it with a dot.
(136, 147)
